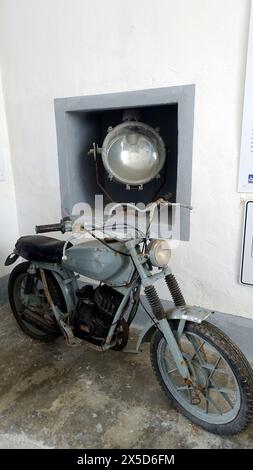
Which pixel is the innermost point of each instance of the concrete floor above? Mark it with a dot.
(55, 396)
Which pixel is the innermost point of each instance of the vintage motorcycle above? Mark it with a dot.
(202, 372)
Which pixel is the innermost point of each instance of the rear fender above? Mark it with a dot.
(11, 259)
(66, 280)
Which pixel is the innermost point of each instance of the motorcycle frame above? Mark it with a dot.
(69, 286)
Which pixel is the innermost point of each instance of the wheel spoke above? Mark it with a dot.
(172, 370)
(211, 401)
(211, 368)
(198, 353)
(186, 356)
(196, 348)
(223, 392)
(213, 396)
(185, 387)
(168, 365)
(215, 367)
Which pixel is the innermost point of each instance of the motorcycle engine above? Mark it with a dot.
(95, 311)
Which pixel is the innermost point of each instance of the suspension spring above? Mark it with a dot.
(29, 280)
(154, 302)
(175, 291)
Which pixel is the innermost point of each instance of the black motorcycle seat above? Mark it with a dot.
(40, 248)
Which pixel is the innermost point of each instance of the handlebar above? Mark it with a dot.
(60, 227)
(67, 223)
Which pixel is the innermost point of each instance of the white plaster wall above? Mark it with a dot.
(59, 48)
(8, 211)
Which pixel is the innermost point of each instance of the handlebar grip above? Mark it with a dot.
(50, 228)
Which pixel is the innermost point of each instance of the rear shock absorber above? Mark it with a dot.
(154, 302)
(175, 291)
(30, 280)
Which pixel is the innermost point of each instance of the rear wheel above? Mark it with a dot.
(38, 305)
(220, 398)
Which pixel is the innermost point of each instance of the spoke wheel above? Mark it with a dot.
(220, 395)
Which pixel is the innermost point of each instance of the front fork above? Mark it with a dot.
(165, 328)
(158, 310)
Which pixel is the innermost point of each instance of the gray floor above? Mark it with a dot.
(54, 396)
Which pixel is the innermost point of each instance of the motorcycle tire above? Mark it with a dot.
(17, 275)
(233, 391)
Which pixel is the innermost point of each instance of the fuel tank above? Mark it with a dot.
(100, 262)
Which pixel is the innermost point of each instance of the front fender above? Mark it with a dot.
(186, 312)
(189, 313)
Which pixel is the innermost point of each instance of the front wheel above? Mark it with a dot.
(220, 398)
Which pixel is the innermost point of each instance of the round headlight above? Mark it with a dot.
(133, 153)
(159, 253)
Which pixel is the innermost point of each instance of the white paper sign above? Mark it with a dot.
(246, 158)
(246, 276)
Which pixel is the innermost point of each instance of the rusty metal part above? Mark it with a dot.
(188, 381)
(195, 400)
(45, 286)
(175, 291)
(121, 336)
(33, 313)
(94, 346)
(155, 302)
(38, 321)
(196, 390)
(189, 313)
(99, 347)
(202, 349)
(71, 339)
(66, 330)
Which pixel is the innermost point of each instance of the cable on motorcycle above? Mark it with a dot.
(107, 245)
(147, 312)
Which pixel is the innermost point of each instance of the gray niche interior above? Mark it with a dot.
(80, 121)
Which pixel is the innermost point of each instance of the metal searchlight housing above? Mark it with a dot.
(133, 153)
